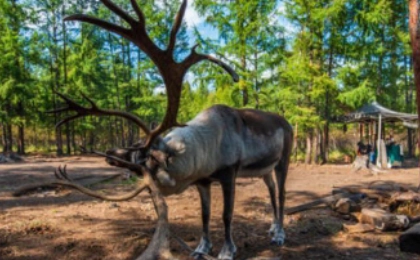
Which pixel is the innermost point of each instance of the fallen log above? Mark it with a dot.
(370, 193)
(383, 220)
(346, 206)
(264, 258)
(23, 190)
(406, 196)
(326, 200)
(358, 228)
(387, 186)
(410, 240)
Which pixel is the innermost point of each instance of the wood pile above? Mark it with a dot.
(378, 207)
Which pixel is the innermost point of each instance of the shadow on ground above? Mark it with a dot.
(78, 227)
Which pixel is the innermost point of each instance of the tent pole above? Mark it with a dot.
(378, 146)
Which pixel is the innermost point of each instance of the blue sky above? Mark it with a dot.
(192, 18)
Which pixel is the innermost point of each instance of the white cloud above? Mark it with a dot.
(191, 16)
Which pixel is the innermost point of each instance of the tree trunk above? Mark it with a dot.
(309, 137)
(327, 111)
(92, 133)
(413, 6)
(21, 129)
(54, 70)
(410, 142)
(295, 143)
(67, 125)
(4, 137)
(409, 103)
(316, 146)
(120, 123)
(21, 139)
(8, 147)
(245, 98)
(73, 136)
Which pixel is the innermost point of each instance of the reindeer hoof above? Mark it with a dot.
(228, 252)
(276, 243)
(272, 229)
(199, 255)
(204, 248)
(278, 236)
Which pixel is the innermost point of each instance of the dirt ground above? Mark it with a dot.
(68, 225)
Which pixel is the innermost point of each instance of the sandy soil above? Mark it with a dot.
(68, 225)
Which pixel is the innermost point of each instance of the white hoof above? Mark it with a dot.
(278, 235)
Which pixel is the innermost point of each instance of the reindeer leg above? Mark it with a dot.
(268, 180)
(281, 174)
(228, 187)
(205, 245)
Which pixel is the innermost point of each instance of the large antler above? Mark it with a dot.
(64, 180)
(172, 72)
(94, 110)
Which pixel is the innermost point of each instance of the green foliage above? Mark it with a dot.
(307, 60)
(357, 97)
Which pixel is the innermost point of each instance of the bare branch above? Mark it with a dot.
(141, 187)
(195, 58)
(176, 26)
(118, 11)
(124, 32)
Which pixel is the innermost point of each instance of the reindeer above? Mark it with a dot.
(219, 144)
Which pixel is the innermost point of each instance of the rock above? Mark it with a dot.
(410, 240)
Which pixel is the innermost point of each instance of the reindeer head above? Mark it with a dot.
(157, 159)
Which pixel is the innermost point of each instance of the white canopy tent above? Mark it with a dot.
(374, 111)
(380, 114)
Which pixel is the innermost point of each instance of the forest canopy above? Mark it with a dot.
(310, 61)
